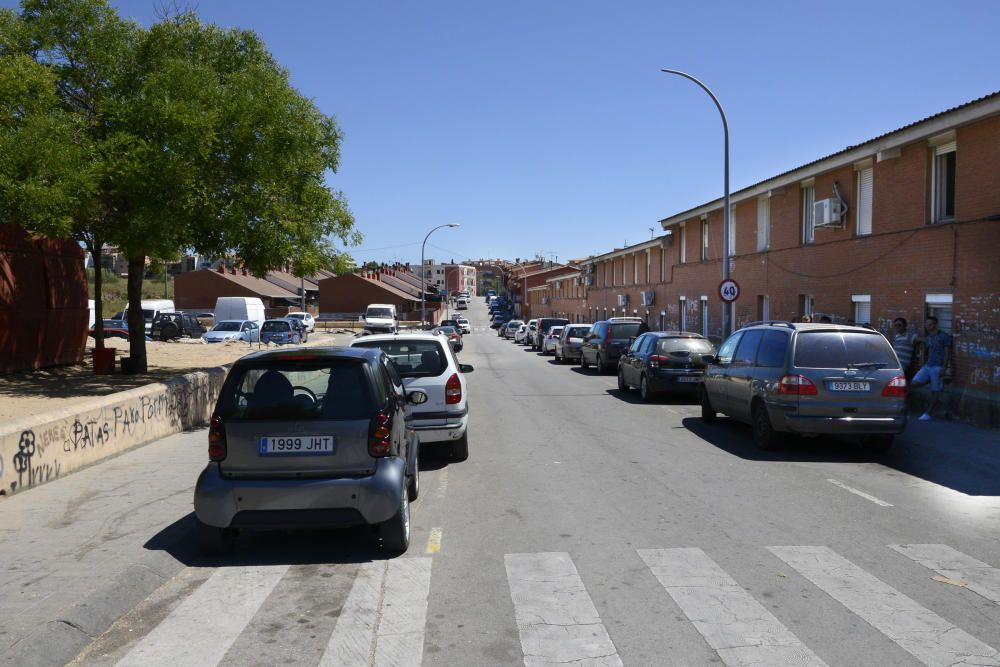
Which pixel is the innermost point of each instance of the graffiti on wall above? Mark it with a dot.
(41, 454)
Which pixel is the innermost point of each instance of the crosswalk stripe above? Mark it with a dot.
(921, 632)
(556, 618)
(383, 619)
(203, 627)
(733, 623)
(977, 575)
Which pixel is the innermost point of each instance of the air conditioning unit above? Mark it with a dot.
(623, 299)
(828, 213)
(648, 297)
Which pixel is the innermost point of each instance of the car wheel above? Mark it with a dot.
(583, 361)
(214, 541)
(880, 444)
(395, 532)
(764, 435)
(460, 448)
(413, 486)
(707, 411)
(621, 381)
(644, 391)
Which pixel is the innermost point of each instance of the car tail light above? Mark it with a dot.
(216, 440)
(453, 390)
(379, 444)
(896, 387)
(796, 385)
(657, 359)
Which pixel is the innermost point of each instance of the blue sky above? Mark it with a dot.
(547, 128)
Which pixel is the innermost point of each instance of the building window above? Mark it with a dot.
(805, 304)
(861, 306)
(704, 240)
(684, 242)
(939, 306)
(763, 308)
(704, 316)
(866, 181)
(808, 222)
(943, 183)
(732, 230)
(763, 222)
(683, 314)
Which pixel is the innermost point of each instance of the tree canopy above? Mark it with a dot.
(183, 135)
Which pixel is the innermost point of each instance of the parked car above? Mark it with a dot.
(228, 330)
(310, 439)
(521, 335)
(426, 363)
(463, 325)
(570, 340)
(179, 324)
(306, 319)
(530, 332)
(240, 308)
(453, 335)
(551, 338)
(281, 331)
(542, 327)
(301, 327)
(783, 377)
(150, 309)
(498, 321)
(607, 340)
(112, 329)
(664, 361)
(508, 330)
(450, 322)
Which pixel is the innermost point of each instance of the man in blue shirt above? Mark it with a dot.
(937, 357)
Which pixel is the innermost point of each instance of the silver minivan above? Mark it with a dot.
(807, 379)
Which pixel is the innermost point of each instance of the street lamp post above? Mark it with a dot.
(727, 318)
(423, 272)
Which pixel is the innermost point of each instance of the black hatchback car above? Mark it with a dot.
(608, 340)
(665, 361)
(167, 326)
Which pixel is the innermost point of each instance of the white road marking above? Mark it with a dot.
(859, 493)
(733, 623)
(556, 618)
(977, 576)
(383, 619)
(925, 635)
(203, 627)
(434, 541)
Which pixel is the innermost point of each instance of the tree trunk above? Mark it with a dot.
(136, 322)
(94, 247)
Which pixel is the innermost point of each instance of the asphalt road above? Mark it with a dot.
(586, 527)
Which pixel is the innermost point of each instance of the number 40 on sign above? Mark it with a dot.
(729, 290)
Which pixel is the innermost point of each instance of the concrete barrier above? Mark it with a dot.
(39, 449)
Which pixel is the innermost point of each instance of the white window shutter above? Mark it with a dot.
(865, 185)
(763, 223)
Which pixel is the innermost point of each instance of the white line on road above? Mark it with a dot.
(978, 576)
(733, 623)
(434, 541)
(921, 632)
(556, 618)
(383, 619)
(859, 493)
(203, 627)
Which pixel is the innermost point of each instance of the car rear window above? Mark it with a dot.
(297, 390)
(576, 332)
(276, 326)
(545, 325)
(413, 358)
(841, 349)
(692, 345)
(227, 326)
(626, 330)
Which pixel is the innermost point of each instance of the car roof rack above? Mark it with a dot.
(781, 323)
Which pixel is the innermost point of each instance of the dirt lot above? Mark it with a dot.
(25, 394)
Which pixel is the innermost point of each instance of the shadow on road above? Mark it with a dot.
(634, 398)
(945, 464)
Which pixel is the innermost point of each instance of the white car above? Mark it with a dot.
(521, 334)
(308, 320)
(550, 340)
(426, 362)
(463, 324)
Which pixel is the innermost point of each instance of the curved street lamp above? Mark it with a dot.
(727, 320)
(423, 274)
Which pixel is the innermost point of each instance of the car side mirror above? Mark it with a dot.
(710, 358)
(466, 368)
(416, 397)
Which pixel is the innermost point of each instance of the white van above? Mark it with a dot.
(239, 308)
(381, 318)
(150, 309)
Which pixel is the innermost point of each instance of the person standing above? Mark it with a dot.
(904, 343)
(937, 357)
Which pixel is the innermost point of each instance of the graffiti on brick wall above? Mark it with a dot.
(40, 455)
(977, 341)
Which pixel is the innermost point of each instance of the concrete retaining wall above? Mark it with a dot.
(42, 448)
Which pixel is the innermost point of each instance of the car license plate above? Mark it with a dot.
(290, 445)
(689, 378)
(849, 386)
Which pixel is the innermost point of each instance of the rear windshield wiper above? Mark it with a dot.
(876, 365)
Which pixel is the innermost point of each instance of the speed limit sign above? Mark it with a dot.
(729, 290)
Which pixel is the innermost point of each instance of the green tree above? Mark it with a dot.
(192, 138)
